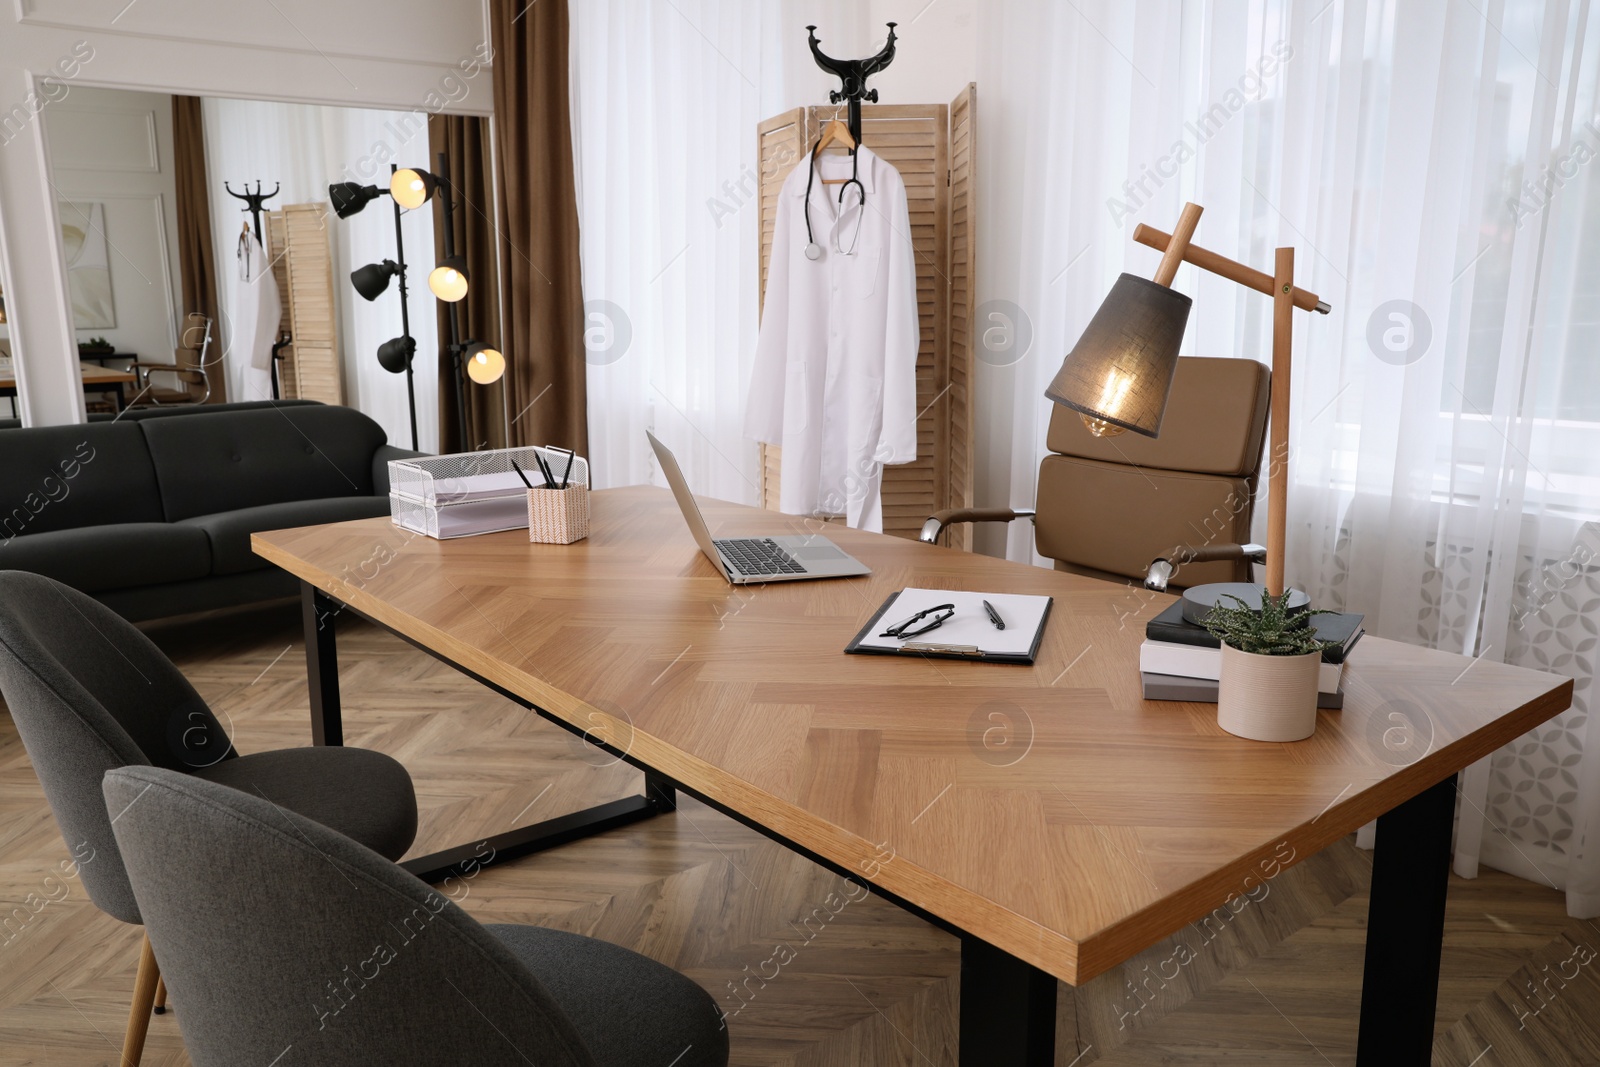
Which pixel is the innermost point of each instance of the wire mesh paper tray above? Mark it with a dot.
(471, 492)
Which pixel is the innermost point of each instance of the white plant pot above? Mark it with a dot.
(1268, 698)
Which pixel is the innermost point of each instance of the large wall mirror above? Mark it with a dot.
(145, 183)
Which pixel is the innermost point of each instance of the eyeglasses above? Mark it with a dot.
(939, 614)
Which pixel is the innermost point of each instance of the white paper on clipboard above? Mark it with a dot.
(1022, 614)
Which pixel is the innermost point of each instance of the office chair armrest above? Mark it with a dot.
(1163, 568)
(142, 371)
(940, 519)
(143, 368)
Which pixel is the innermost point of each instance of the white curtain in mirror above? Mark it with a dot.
(666, 99)
(1434, 167)
(305, 148)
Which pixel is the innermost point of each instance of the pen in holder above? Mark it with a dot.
(558, 513)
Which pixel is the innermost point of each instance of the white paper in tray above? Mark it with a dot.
(483, 486)
(484, 516)
(970, 625)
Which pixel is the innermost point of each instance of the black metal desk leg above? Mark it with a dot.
(1008, 1009)
(1405, 930)
(318, 613)
(660, 791)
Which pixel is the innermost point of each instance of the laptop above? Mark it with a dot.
(748, 560)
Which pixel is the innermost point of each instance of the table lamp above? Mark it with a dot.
(1118, 375)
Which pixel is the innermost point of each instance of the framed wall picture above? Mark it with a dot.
(83, 238)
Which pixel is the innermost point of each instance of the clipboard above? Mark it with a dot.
(968, 635)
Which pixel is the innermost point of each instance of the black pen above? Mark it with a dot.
(524, 477)
(568, 472)
(544, 469)
(994, 616)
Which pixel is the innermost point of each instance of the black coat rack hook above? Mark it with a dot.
(853, 75)
(253, 202)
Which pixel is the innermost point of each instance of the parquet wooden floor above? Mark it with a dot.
(1279, 984)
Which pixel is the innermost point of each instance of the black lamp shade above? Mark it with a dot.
(412, 187)
(448, 281)
(1120, 371)
(394, 356)
(350, 197)
(370, 281)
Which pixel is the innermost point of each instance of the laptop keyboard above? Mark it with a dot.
(759, 555)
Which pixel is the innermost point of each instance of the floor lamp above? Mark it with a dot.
(410, 188)
(1118, 375)
(370, 281)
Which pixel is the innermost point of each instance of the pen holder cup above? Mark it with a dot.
(558, 516)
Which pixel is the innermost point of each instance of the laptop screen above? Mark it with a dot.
(686, 501)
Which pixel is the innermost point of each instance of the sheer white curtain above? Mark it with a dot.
(306, 147)
(1432, 164)
(666, 99)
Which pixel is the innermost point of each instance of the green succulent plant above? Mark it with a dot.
(1268, 631)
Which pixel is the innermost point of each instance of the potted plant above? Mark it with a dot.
(96, 344)
(1270, 662)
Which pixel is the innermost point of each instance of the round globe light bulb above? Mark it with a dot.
(447, 283)
(486, 366)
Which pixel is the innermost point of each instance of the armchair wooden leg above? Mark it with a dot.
(161, 996)
(144, 994)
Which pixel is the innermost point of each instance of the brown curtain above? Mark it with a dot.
(464, 141)
(541, 296)
(196, 256)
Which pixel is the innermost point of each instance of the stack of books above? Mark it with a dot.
(1182, 661)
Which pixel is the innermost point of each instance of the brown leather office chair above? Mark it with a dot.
(1174, 508)
(193, 384)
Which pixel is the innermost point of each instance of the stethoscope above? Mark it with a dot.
(814, 250)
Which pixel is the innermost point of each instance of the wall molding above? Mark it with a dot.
(152, 164)
(169, 295)
(26, 18)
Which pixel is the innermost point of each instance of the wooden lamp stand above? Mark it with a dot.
(1286, 297)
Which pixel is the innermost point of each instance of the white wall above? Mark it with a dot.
(935, 48)
(936, 51)
(362, 53)
(113, 147)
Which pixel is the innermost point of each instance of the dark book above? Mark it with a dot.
(1204, 691)
(1345, 628)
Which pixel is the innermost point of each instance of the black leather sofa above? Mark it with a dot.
(153, 516)
(162, 411)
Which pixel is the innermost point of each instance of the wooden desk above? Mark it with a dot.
(1047, 815)
(95, 380)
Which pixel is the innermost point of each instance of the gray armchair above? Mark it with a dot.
(89, 692)
(286, 943)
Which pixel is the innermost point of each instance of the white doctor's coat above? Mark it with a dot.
(256, 310)
(835, 379)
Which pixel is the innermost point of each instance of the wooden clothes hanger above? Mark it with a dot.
(835, 132)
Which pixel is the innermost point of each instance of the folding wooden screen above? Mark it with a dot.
(302, 264)
(931, 145)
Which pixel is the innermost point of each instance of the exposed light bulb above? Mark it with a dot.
(1112, 394)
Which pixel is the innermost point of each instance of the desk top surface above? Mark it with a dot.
(91, 373)
(1048, 810)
